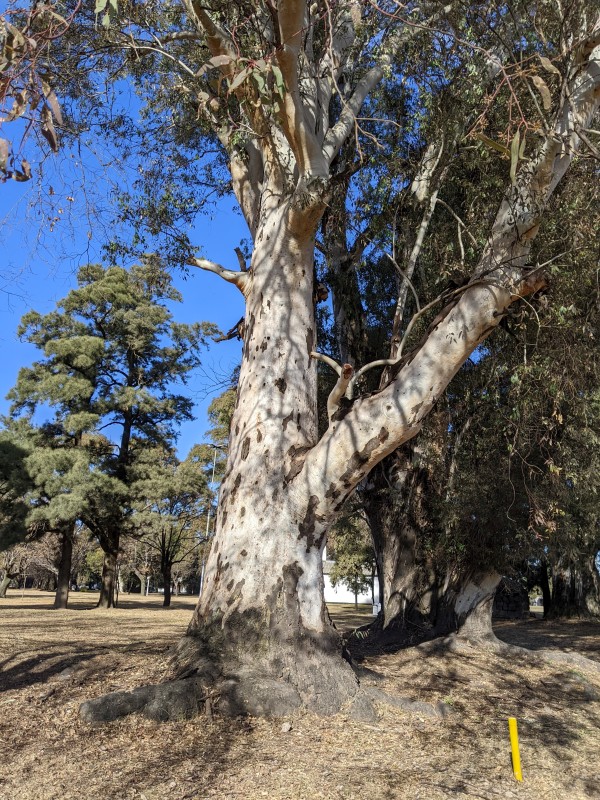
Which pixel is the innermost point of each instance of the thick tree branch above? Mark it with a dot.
(239, 279)
(217, 39)
(520, 213)
(247, 170)
(304, 143)
(339, 390)
(247, 174)
(338, 134)
(337, 368)
(378, 424)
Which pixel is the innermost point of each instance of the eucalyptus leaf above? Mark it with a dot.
(220, 61)
(514, 157)
(239, 79)
(493, 144)
(542, 87)
(279, 81)
(548, 65)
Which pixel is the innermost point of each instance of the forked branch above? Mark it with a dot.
(302, 140)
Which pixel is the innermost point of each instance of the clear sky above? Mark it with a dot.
(38, 264)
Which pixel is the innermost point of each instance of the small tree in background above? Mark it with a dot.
(354, 564)
(13, 564)
(170, 508)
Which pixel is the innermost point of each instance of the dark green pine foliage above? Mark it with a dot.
(112, 355)
(14, 485)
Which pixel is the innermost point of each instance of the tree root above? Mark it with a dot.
(255, 696)
(455, 643)
(436, 711)
(252, 694)
(323, 685)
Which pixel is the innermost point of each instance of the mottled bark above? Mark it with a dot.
(269, 616)
(474, 603)
(260, 639)
(466, 605)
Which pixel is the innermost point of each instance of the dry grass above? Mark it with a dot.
(50, 661)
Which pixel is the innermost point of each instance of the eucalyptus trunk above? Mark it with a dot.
(262, 608)
(420, 597)
(466, 603)
(395, 505)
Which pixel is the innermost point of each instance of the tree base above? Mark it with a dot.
(213, 671)
(189, 697)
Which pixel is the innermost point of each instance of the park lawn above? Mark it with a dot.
(50, 661)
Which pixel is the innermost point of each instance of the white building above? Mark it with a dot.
(340, 593)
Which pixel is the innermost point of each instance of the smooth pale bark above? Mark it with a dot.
(63, 580)
(466, 607)
(262, 606)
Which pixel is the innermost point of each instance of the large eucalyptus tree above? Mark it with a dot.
(282, 84)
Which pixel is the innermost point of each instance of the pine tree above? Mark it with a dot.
(112, 354)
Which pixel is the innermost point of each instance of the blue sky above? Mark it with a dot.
(38, 267)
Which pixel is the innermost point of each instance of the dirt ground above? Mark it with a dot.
(50, 661)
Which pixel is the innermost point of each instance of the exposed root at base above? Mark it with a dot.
(456, 643)
(246, 692)
(189, 697)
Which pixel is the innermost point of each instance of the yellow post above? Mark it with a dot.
(514, 746)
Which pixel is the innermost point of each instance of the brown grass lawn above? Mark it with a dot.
(51, 660)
